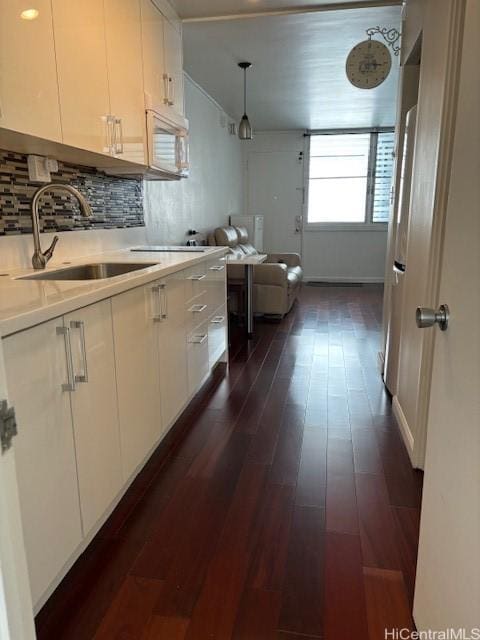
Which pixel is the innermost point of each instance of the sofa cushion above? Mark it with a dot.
(292, 278)
(298, 271)
(226, 236)
(242, 234)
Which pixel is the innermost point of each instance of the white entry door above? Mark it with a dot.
(275, 190)
(448, 575)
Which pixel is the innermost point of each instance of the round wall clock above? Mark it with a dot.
(368, 64)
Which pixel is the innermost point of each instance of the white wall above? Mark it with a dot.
(214, 189)
(331, 255)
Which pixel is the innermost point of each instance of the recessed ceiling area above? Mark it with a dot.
(298, 79)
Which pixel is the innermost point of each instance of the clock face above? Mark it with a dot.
(368, 64)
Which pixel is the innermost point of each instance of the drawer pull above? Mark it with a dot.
(217, 319)
(198, 339)
(217, 267)
(199, 277)
(198, 308)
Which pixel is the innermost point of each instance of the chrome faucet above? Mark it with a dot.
(39, 258)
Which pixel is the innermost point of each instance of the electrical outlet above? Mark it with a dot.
(38, 170)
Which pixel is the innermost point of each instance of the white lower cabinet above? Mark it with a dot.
(94, 391)
(36, 367)
(172, 351)
(94, 410)
(135, 315)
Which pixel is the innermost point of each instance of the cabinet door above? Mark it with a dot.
(125, 78)
(36, 368)
(94, 408)
(174, 66)
(173, 356)
(79, 29)
(153, 56)
(28, 74)
(138, 373)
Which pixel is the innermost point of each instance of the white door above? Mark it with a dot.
(173, 348)
(448, 576)
(135, 322)
(275, 190)
(125, 77)
(94, 409)
(79, 29)
(36, 365)
(28, 73)
(440, 47)
(16, 614)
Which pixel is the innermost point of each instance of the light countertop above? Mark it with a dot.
(26, 303)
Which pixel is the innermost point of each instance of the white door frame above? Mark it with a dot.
(16, 611)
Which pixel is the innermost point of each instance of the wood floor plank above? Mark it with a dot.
(287, 454)
(387, 602)
(407, 524)
(161, 628)
(257, 615)
(130, 611)
(345, 614)
(341, 510)
(312, 475)
(303, 588)
(270, 539)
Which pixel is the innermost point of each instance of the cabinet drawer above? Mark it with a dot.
(217, 335)
(195, 281)
(197, 311)
(197, 357)
(216, 284)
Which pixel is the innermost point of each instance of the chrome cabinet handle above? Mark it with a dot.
(199, 277)
(426, 317)
(199, 339)
(70, 384)
(166, 89)
(157, 303)
(217, 320)
(110, 121)
(79, 324)
(119, 132)
(171, 91)
(164, 304)
(198, 308)
(217, 267)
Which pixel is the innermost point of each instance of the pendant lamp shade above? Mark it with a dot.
(245, 131)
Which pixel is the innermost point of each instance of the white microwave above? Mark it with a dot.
(167, 146)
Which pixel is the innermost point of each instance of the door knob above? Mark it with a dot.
(426, 317)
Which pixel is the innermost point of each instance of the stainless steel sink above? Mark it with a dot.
(97, 271)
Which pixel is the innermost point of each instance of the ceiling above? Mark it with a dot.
(297, 80)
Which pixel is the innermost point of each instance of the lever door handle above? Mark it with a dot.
(426, 317)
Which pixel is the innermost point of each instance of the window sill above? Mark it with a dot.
(346, 226)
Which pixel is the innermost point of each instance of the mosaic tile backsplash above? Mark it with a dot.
(116, 202)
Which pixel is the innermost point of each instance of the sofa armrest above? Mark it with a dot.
(272, 274)
(290, 259)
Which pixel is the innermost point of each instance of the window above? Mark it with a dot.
(349, 179)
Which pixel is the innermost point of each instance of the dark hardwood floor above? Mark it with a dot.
(281, 507)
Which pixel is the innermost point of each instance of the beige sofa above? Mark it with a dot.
(276, 281)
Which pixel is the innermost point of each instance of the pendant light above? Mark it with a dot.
(244, 128)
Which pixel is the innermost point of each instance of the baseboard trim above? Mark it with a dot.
(407, 436)
(361, 279)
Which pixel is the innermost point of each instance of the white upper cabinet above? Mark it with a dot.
(125, 78)
(82, 74)
(172, 38)
(162, 64)
(154, 78)
(28, 74)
